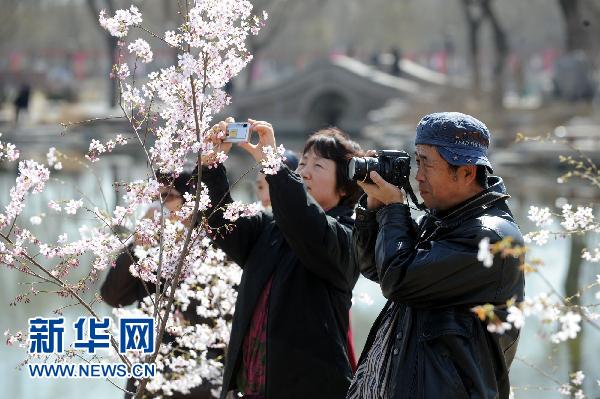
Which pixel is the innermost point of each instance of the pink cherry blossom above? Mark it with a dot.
(119, 24)
(273, 159)
(32, 177)
(236, 209)
(141, 49)
(8, 151)
(72, 206)
(172, 108)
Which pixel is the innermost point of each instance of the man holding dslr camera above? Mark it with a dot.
(427, 342)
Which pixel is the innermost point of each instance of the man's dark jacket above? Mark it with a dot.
(440, 348)
(307, 251)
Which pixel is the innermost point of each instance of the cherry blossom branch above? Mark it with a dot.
(202, 30)
(107, 379)
(157, 298)
(154, 35)
(565, 302)
(175, 279)
(539, 370)
(67, 125)
(123, 242)
(72, 293)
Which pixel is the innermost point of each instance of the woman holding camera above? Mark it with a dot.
(288, 338)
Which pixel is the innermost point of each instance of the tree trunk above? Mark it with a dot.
(571, 287)
(473, 25)
(576, 34)
(111, 44)
(280, 12)
(171, 14)
(501, 49)
(113, 89)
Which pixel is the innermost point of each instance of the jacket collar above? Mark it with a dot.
(340, 211)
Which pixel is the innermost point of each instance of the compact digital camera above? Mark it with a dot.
(238, 132)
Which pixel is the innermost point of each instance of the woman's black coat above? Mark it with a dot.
(308, 253)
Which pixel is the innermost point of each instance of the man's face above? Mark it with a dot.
(438, 184)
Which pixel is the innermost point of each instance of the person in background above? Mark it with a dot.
(21, 102)
(121, 288)
(262, 187)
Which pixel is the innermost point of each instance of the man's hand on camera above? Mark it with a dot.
(381, 193)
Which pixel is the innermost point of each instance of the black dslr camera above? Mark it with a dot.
(393, 166)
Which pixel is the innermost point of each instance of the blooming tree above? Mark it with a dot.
(561, 317)
(170, 111)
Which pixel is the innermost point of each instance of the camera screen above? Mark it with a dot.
(237, 132)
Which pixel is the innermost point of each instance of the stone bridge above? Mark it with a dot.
(339, 92)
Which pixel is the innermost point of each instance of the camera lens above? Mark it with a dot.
(357, 169)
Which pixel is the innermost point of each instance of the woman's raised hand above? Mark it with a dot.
(216, 135)
(266, 138)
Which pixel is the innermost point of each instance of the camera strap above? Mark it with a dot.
(411, 194)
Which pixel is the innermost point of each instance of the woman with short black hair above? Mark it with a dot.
(289, 334)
